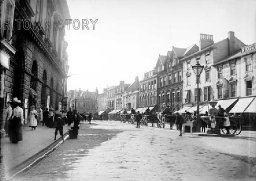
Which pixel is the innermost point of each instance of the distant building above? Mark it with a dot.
(102, 101)
(148, 90)
(119, 92)
(83, 101)
(131, 95)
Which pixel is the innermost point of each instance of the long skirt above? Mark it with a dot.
(15, 130)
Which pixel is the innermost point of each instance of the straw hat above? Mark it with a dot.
(16, 100)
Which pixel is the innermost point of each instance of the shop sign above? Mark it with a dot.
(4, 59)
(249, 48)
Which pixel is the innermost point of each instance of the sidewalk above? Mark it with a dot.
(33, 143)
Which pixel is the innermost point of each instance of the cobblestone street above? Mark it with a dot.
(117, 151)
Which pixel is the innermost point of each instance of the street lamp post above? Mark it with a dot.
(198, 70)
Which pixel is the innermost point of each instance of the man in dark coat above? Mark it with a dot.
(70, 117)
(179, 121)
(45, 116)
(138, 118)
(58, 123)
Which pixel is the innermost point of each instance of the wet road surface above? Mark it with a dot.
(118, 151)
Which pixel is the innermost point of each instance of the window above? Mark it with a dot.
(170, 79)
(173, 97)
(220, 72)
(248, 65)
(207, 93)
(188, 99)
(175, 78)
(207, 59)
(207, 76)
(179, 76)
(164, 81)
(178, 97)
(196, 92)
(188, 80)
(219, 89)
(233, 68)
(233, 89)
(248, 88)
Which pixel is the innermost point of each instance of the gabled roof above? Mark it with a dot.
(178, 51)
(161, 60)
(133, 87)
(192, 49)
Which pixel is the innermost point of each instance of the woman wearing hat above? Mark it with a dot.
(33, 118)
(16, 121)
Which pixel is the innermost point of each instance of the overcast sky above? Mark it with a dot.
(130, 34)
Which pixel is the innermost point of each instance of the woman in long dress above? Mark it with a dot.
(16, 121)
(33, 118)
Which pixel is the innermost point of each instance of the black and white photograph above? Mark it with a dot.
(128, 90)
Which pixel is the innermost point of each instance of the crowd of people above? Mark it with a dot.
(14, 120)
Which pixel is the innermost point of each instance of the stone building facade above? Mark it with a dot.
(209, 53)
(37, 71)
(238, 72)
(131, 95)
(148, 90)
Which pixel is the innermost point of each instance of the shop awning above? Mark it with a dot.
(205, 108)
(182, 110)
(100, 112)
(194, 109)
(115, 111)
(241, 105)
(225, 104)
(252, 107)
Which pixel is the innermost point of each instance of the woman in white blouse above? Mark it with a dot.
(16, 122)
(33, 118)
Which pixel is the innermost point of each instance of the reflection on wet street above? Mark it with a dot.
(117, 151)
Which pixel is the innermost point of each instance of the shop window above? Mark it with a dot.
(248, 88)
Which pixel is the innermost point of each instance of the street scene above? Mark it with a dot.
(110, 150)
(128, 90)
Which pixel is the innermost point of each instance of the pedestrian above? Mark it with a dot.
(58, 124)
(179, 121)
(51, 118)
(221, 111)
(203, 125)
(76, 119)
(45, 116)
(8, 115)
(33, 118)
(90, 118)
(69, 117)
(138, 118)
(227, 122)
(16, 122)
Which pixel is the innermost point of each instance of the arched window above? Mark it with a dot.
(34, 78)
